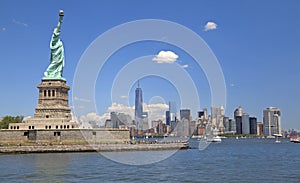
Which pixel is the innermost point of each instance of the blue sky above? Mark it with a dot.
(256, 43)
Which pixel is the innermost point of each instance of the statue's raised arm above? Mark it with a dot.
(57, 56)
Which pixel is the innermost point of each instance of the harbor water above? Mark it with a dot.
(232, 160)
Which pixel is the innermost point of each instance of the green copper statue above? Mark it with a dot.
(57, 57)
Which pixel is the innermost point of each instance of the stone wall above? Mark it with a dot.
(12, 136)
(79, 136)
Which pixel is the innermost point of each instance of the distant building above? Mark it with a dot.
(161, 128)
(114, 120)
(138, 105)
(185, 114)
(125, 119)
(232, 125)
(245, 124)
(154, 124)
(272, 121)
(253, 125)
(108, 123)
(200, 114)
(238, 111)
(173, 125)
(168, 118)
(238, 120)
(185, 130)
(222, 110)
(143, 123)
(193, 128)
(226, 124)
(141, 117)
(173, 111)
(205, 115)
(217, 114)
(260, 129)
(184, 124)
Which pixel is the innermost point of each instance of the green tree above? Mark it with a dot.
(10, 119)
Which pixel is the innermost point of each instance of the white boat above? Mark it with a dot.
(277, 139)
(296, 140)
(214, 139)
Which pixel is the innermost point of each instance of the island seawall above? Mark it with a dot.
(16, 149)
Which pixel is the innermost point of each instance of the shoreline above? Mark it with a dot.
(90, 148)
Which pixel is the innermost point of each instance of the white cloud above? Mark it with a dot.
(210, 26)
(20, 23)
(123, 96)
(232, 85)
(82, 99)
(26, 118)
(121, 108)
(3, 29)
(155, 112)
(185, 66)
(93, 117)
(165, 57)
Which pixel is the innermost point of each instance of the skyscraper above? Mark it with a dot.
(227, 126)
(232, 125)
(203, 114)
(238, 113)
(185, 114)
(272, 121)
(168, 118)
(138, 102)
(245, 124)
(253, 125)
(238, 120)
(141, 117)
(200, 114)
(173, 110)
(217, 114)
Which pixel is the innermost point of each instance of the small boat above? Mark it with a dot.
(214, 139)
(277, 138)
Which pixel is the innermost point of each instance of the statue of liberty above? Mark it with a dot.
(57, 57)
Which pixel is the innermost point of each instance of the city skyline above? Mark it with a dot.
(256, 49)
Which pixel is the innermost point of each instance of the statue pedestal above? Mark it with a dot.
(53, 100)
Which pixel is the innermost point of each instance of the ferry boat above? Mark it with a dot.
(295, 140)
